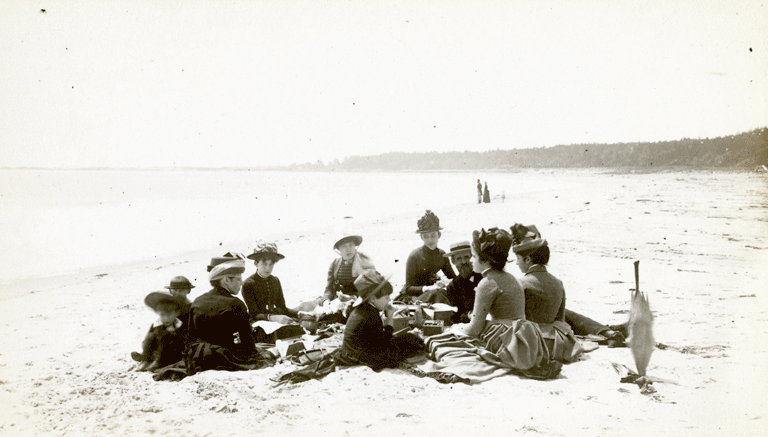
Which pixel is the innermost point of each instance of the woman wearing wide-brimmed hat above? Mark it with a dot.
(340, 290)
(367, 339)
(346, 268)
(262, 291)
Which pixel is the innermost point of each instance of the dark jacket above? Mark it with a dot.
(163, 346)
(461, 294)
(367, 341)
(264, 297)
(544, 295)
(421, 269)
(219, 318)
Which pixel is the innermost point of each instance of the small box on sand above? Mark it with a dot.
(399, 323)
(432, 327)
(444, 315)
(290, 346)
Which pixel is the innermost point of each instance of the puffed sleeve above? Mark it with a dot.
(485, 293)
(330, 288)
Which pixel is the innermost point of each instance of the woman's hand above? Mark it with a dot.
(389, 310)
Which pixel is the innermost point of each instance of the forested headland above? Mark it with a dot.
(746, 150)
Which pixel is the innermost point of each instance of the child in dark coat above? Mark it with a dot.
(164, 343)
(368, 340)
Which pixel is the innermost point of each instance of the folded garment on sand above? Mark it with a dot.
(322, 365)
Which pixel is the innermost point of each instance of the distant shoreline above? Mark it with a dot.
(607, 170)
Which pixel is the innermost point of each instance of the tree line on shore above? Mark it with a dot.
(745, 150)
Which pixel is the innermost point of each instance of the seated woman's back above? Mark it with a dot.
(509, 301)
(500, 295)
(544, 295)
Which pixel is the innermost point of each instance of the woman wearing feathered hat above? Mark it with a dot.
(368, 340)
(424, 262)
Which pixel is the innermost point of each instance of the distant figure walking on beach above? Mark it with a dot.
(479, 191)
(486, 194)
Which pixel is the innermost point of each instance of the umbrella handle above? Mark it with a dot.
(637, 276)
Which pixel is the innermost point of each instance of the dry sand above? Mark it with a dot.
(702, 244)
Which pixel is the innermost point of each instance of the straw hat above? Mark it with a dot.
(235, 264)
(457, 248)
(357, 239)
(368, 284)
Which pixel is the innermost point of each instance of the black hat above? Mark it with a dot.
(428, 223)
(179, 282)
(367, 284)
(493, 243)
(265, 249)
(157, 297)
(527, 239)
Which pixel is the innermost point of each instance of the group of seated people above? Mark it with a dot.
(216, 330)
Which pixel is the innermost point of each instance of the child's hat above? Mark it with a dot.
(526, 238)
(357, 239)
(162, 297)
(428, 223)
(265, 249)
(367, 284)
(179, 282)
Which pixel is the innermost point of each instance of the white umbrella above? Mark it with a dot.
(640, 327)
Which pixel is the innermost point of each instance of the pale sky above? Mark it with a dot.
(245, 83)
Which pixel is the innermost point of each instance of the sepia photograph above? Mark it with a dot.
(383, 218)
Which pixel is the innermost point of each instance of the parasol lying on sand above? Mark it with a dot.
(640, 327)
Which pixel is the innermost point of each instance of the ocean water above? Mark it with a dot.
(58, 222)
(62, 221)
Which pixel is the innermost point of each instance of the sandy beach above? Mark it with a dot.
(702, 242)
